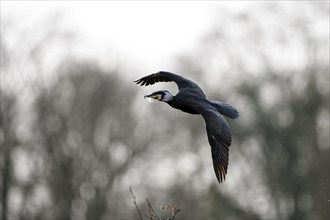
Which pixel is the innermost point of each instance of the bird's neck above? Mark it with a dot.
(168, 97)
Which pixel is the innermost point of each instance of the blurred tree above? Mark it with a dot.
(73, 141)
(84, 121)
(278, 78)
(82, 144)
(68, 131)
(283, 144)
(8, 139)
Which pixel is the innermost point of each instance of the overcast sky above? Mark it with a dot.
(145, 34)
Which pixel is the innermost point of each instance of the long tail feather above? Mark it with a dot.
(225, 109)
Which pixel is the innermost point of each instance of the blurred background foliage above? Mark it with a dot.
(75, 138)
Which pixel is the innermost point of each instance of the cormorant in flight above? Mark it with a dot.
(191, 99)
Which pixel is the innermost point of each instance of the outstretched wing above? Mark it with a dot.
(219, 136)
(163, 76)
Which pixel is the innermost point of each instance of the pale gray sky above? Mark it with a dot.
(144, 34)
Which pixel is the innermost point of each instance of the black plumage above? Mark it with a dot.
(191, 99)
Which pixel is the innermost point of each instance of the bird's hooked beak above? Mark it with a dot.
(153, 96)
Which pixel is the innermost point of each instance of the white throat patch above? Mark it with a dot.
(167, 97)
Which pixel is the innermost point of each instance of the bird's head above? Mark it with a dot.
(162, 95)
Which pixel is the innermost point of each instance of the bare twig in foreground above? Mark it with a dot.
(152, 213)
(136, 206)
(173, 208)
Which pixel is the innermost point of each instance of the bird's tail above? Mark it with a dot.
(225, 109)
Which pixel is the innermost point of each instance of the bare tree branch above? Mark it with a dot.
(136, 206)
(152, 214)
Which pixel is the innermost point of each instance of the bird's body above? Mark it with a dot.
(185, 99)
(191, 99)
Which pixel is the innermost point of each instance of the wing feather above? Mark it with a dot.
(219, 136)
(163, 76)
(158, 77)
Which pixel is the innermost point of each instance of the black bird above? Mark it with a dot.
(191, 99)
